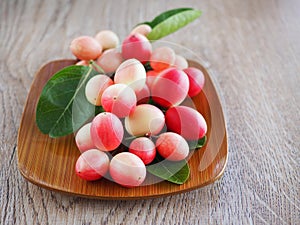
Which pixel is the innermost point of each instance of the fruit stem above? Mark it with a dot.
(96, 66)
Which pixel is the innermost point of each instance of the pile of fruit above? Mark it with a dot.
(141, 93)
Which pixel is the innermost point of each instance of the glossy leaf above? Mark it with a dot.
(173, 171)
(170, 22)
(62, 106)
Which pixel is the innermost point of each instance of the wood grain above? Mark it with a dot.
(252, 52)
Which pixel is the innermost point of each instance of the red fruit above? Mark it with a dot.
(150, 77)
(83, 138)
(170, 87)
(107, 131)
(118, 99)
(92, 165)
(186, 121)
(162, 58)
(144, 148)
(172, 146)
(196, 79)
(143, 95)
(137, 46)
(127, 169)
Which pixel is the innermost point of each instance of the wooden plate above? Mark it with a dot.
(50, 163)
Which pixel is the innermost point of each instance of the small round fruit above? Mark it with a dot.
(107, 131)
(144, 148)
(143, 29)
(95, 88)
(107, 39)
(172, 146)
(110, 60)
(132, 73)
(136, 46)
(143, 95)
(145, 119)
(170, 87)
(180, 62)
(118, 99)
(150, 77)
(92, 165)
(187, 122)
(83, 138)
(196, 79)
(162, 58)
(127, 169)
(86, 48)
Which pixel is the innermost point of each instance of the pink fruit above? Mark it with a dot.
(107, 39)
(110, 60)
(144, 148)
(187, 122)
(95, 88)
(136, 46)
(92, 165)
(82, 63)
(127, 169)
(83, 138)
(162, 58)
(196, 79)
(86, 48)
(170, 87)
(145, 119)
(143, 29)
(118, 99)
(132, 73)
(143, 95)
(172, 146)
(150, 77)
(180, 62)
(107, 131)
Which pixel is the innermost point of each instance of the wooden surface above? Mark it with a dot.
(49, 162)
(252, 50)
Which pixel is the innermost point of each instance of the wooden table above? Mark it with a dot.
(252, 49)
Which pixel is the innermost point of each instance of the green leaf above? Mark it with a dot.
(171, 21)
(163, 16)
(63, 107)
(173, 171)
(197, 144)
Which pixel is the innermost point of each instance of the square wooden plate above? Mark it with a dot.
(50, 163)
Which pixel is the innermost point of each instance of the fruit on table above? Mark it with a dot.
(144, 148)
(107, 131)
(170, 87)
(92, 165)
(83, 138)
(145, 119)
(107, 39)
(196, 79)
(95, 88)
(86, 48)
(136, 46)
(172, 146)
(162, 58)
(150, 77)
(186, 121)
(132, 73)
(127, 169)
(118, 99)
